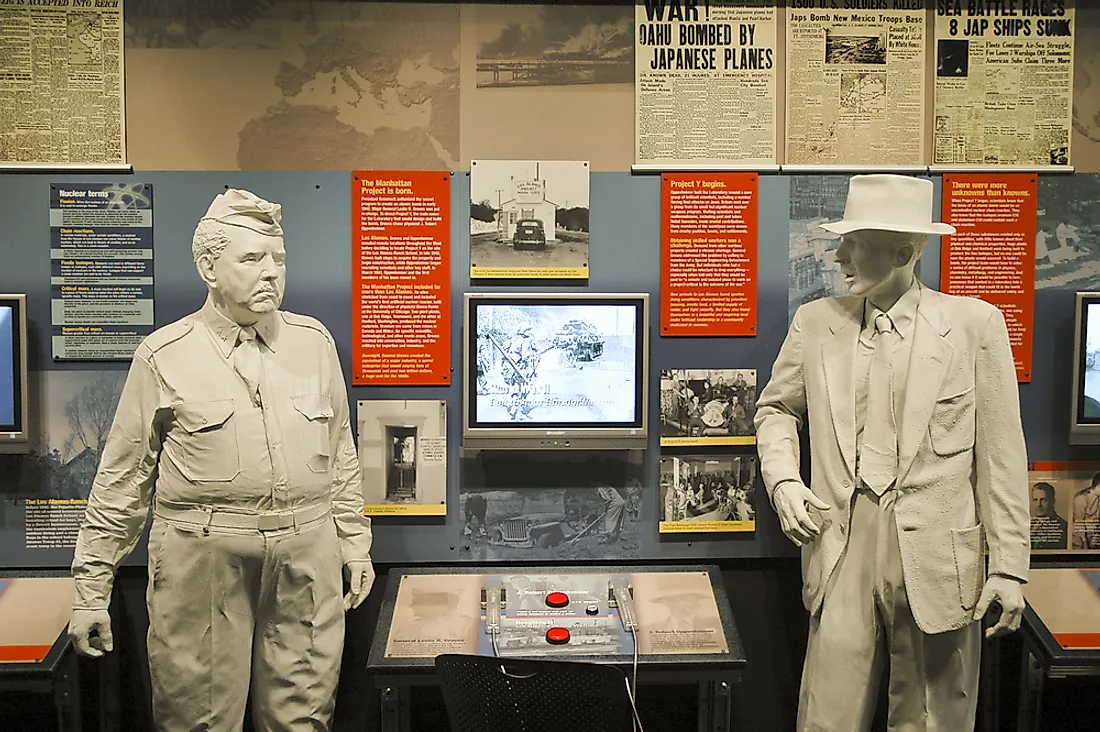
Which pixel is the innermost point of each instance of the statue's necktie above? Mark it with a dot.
(246, 360)
(878, 456)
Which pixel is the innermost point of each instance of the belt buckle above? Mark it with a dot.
(272, 521)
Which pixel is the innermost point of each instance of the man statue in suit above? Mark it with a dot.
(918, 462)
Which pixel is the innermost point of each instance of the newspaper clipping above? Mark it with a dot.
(855, 83)
(61, 81)
(705, 81)
(1004, 83)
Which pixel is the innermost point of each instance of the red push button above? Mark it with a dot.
(557, 636)
(557, 599)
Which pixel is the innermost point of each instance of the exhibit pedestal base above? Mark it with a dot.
(670, 625)
(715, 710)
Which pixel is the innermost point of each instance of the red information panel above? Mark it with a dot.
(401, 260)
(992, 255)
(708, 254)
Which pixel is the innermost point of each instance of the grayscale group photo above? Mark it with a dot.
(706, 488)
(707, 405)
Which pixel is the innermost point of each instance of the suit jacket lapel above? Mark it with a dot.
(838, 356)
(928, 361)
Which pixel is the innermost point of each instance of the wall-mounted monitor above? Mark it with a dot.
(1084, 426)
(14, 430)
(555, 371)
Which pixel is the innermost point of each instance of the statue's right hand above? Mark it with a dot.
(90, 631)
(790, 501)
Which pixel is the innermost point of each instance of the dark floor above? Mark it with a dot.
(1070, 705)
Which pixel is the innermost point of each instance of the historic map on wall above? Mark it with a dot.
(254, 84)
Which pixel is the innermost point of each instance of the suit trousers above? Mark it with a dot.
(866, 627)
(230, 608)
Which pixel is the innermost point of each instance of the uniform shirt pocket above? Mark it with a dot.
(951, 428)
(208, 447)
(316, 413)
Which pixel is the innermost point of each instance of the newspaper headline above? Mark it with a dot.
(1004, 82)
(61, 81)
(705, 80)
(855, 80)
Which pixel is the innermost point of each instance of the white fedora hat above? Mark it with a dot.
(889, 203)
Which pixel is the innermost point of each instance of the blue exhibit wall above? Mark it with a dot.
(760, 570)
(625, 257)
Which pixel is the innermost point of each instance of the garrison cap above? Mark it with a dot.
(236, 207)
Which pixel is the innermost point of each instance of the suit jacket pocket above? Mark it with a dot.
(966, 544)
(811, 574)
(951, 428)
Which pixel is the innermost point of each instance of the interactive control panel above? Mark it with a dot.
(552, 613)
(579, 613)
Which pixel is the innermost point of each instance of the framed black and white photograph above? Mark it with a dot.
(1067, 237)
(708, 407)
(529, 219)
(1065, 507)
(550, 505)
(708, 493)
(598, 521)
(1051, 506)
(403, 456)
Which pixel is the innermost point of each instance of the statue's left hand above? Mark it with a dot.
(1010, 595)
(360, 575)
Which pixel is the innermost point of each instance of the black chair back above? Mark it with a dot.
(486, 694)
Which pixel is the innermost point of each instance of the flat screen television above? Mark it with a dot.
(14, 431)
(555, 371)
(1084, 426)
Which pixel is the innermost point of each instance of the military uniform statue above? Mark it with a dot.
(233, 427)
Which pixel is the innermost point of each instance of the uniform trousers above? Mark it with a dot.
(232, 607)
(866, 626)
